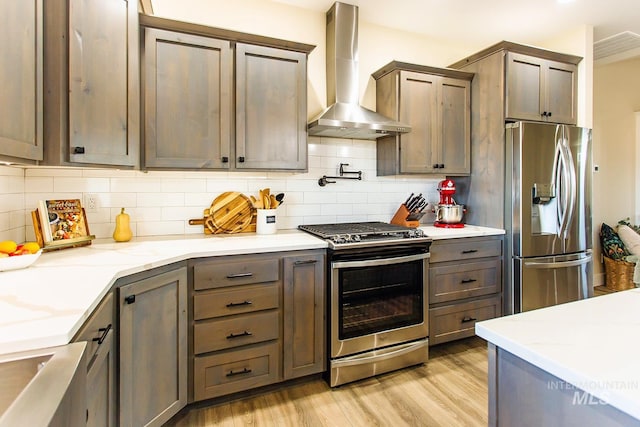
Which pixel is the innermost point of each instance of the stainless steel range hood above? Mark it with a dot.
(345, 118)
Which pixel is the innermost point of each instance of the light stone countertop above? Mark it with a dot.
(592, 344)
(46, 304)
(437, 233)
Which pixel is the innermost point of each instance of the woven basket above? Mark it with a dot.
(618, 274)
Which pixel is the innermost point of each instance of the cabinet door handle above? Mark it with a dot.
(441, 165)
(242, 334)
(238, 304)
(78, 150)
(102, 337)
(237, 275)
(467, 319)
(225, 159)
(549, 114)
(234, 373)
(470, 251)
(241, 159)
(468, 280)
(436, 166)
(130, 299)
(307, 261)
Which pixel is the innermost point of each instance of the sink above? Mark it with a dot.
(16, 375)
(44, 388)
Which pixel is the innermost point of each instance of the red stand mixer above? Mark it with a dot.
(448, 212)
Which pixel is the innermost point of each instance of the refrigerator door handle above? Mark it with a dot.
(561, 264)
(557, 178)
(568, 166)
(564, 181)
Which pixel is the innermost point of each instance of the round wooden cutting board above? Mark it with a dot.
(231, 212)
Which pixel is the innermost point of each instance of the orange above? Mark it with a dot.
(8, 246)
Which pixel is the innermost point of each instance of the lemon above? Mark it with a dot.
(8, 246)
(32, 247)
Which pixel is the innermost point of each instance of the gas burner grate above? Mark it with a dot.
(362, 228)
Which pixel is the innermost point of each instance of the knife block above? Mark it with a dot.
(400, 218)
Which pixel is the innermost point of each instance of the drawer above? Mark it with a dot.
(220, 334)
(225, 272)
(464, 280)
(457, 321)
(97, 327)
(464, 249)
(235, 371)
(237, 300)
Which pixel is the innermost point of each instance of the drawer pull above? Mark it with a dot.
(464, 281)
(238, 304)
(467, 319)
(470, 251)
(235, 276)
(243, 334)
(308, 261)
(102, 337)
(244, 371)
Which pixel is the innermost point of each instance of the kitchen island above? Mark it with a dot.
(570, 364)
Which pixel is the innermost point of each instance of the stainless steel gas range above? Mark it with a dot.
(377, 298)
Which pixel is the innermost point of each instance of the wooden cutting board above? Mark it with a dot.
(230, 212)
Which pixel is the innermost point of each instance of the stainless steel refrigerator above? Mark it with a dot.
(548, 213)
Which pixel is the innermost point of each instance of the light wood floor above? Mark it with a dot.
(449, 390)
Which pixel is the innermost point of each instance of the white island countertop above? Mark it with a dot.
(592, 344)
(46, 304)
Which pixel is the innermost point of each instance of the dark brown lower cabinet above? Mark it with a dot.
(304, 315)
(257, 320)
(465, 286)
(98, 332)
(153, 348)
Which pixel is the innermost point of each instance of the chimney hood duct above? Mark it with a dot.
(345, 118)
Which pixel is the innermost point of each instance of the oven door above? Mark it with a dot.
(378, 302)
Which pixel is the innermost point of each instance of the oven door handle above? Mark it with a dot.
(378, 262)
(379, 355)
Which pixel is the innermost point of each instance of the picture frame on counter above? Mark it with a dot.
(60, 224)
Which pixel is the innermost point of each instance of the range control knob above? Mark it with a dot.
(356, 238)
(415, 233)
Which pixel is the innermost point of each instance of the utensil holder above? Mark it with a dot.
(266, 221)
(401, 215)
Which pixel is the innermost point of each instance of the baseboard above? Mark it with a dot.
(598, 279)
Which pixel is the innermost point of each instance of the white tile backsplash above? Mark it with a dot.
(162, 202)
(12, 204)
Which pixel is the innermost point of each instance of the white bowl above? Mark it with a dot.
(18, 261)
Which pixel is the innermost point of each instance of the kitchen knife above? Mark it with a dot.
(406, 203)
(413, 203)
(415, 216)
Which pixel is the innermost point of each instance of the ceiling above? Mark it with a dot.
(488, 21)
